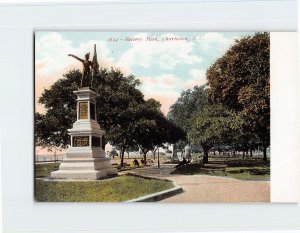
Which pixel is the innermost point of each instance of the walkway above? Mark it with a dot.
(205, 188)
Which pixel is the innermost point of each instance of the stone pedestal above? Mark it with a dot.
(85, 158)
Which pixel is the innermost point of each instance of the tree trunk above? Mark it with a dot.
(158, 163)
(145, 161)
(205, 156)
(265, 153)
(122, 156)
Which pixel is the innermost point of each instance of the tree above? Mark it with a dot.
(186, 106)
(184, 109)
(153, 129)
(212, 126)
(240, 80)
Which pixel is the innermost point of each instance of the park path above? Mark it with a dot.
(205, 188)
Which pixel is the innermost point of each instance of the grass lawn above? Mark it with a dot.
(116, 189)
(121, 188)
(242, 169)
(44, 169)
(248, 173)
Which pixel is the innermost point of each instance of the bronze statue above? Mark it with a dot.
(86, 78)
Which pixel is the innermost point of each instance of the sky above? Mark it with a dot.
(167, 63)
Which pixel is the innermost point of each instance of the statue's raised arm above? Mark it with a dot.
(78, 58)
(87, 64)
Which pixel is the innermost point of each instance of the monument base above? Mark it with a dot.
(84, 169)
(85, 158)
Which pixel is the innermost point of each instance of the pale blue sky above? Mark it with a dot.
(165, 67)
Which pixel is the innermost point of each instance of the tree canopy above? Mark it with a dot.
(155, 130)
(214, 125)
(122, 111)
(234, 107)
(186, 106)
(240, 80)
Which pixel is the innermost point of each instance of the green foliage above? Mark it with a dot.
(214, 125)
(152, 129)
(122, 112)
(122, 188)
(186, 106)
(240, 80)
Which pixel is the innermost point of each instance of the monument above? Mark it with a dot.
(85, 158)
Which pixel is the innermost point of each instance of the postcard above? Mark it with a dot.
(152, 116)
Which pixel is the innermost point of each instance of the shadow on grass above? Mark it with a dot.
(243, 162)
(236, 168)
(252, 171)
(188, 169)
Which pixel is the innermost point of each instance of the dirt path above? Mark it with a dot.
(204, 188)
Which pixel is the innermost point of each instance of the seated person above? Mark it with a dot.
(136, 163)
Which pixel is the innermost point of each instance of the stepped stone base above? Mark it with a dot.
(85, 158)
(84, 168)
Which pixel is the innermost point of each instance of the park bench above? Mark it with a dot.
(149, 161)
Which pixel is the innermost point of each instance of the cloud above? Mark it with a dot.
(215, 41)
(164, 54)
(166, 88)
(198, 78)
(165, 98)
(52, 50)
(52, 61)
(163, 88)
(164, 81)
